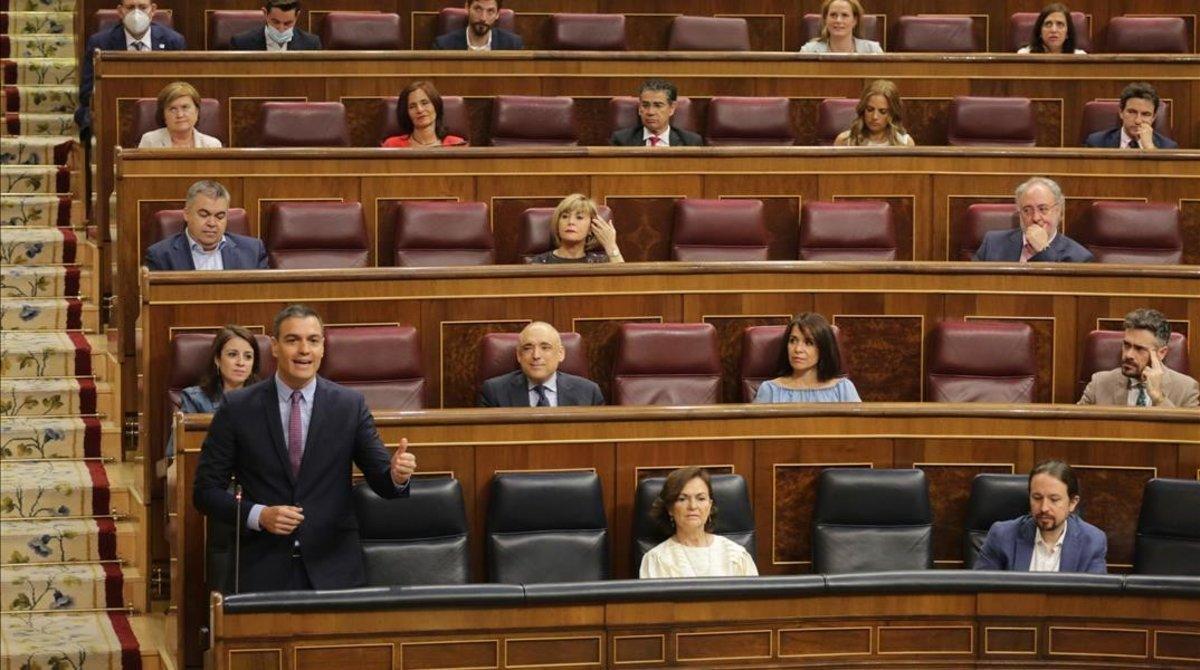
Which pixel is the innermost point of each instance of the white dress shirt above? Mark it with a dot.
(147, 45)
(550, 388)
(1046, 558)
(472, 47)
(206, 260)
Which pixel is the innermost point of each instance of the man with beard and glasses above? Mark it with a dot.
(1143, 380)
(1051, 538)
(481, 33)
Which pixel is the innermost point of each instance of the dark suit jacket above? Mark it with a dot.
(512, 390)
(161, 37)
(240, 253)
(256, 40)
(632, 137)
(1005, 245)
(1009, 546)
(246, 440)
(1111, 139)
(502, 40)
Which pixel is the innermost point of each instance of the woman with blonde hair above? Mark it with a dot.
(879, 120)
(177, 115)
(580, 234)
(841, 30)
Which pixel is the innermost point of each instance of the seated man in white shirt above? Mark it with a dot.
(656, 105)
(203, 244)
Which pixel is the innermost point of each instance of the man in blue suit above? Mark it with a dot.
(1040, 203)
(204, 244)
(1051, 538)
(538, 382)
(1139, 108)
(481, 33)
(279, 32)
(134, 32)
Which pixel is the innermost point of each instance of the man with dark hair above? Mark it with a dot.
(1139, 108)
(290, 441)
(537, 382)
(279, 33)
(657, 100)
(1143, 380)
(1051, 538)
(203, 244)
(481, 33)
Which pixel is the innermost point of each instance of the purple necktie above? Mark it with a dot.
(295, 435)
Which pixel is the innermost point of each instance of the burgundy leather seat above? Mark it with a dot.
(528, 119)
(534, 236)
(587, 32)
(223, 24)
(1102, 351)
(871, 27)
(709, 33)
(738, 121)
(980, 121)
(622, 113)
(381, 362)
(189, 361)
(361, 31)
(847, 231)
(667, 364)
(1020, 28)
(718, 230)
(1104, 114)
(454, 109)
(1143, 233)
(303, 124)
(168, 222)
(761, 349)
(834, 116)
(308, 235)
(935, 33)
(1148, 35)
(981, 361)
(981, 219)
(498, 355)
(210, 121)
(436, 234)
(451, 19)
(105, 19)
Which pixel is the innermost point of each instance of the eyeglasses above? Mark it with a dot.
(1028, 210)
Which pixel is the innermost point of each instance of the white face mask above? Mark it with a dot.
(279, 37)
(136, 22)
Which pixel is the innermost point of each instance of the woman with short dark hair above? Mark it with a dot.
(685, 508)
(810, 366)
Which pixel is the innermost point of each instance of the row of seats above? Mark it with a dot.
(678, 363)
(606, 32)
(545, 527)
(306, 235)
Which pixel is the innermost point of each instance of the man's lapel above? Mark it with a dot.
(1026, 533)
(270, 400)
(185, 253)
(518, 390)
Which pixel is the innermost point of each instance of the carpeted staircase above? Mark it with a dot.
(72, 544)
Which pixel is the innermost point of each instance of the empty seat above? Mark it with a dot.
(587, 32)
(834, 115)
(847, 231)
(981, 219)
(979, 121)
(498, 355)
(534, 236)
(452, 19)
(168, 222)
(105, 19)
(738, 121)
(870, 27)
(454, 113)
(361, 31)
(209, 122)
(994, 497)
(547, 527)
(1144, 233)
(667, 364)
(718, 230)
(1168, 531)
(308, 235)
(1105, 114)
(868, 520)
(223, 24)
(623, 113)
(734, 519)
(709, 33)
(936, 33)
(302, 124)
(527, 119)
(1020, 29)
(1102, 351)
(762, 348)
(381, 362)
(1148, 35)
(981, 361)
(432, 234)
(415, 541)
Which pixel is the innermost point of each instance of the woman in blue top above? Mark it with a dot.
(810, 366)
(233, 363)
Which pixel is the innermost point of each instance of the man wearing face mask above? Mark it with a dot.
(279, 33)
(134, 32)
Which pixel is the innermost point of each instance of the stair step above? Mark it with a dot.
(55, 437)
(62, 99)
(61, 488)
(38, 23)
(43, 281)
(20, 150)
(39, 179)
(111, 640)
(78, 586)
(39, 5)
(39, 211)
(64, 396)
(37, 46)
(38, 123)
(45, 246)
(49, 314)
(67, 541)
(61, 354)
(40, 72)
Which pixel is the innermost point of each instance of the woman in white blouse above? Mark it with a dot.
(685, 506)
(840, 20)
(178, 112)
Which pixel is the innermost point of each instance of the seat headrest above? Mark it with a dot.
(498, 355)
(303, 124)
(534, 236)
(851, 230)
(982, 348)
(540, 501)
(1148, 34)
(1132, 232)
(719, 230)
(981, 219)
(667, 349)
(371, 353)
(587, 32)
(434, 508)
(443, 233)
(994, 497)
(223, 24)
(210, 120)
(168, 222)
(834, 116)
(709, 33)
(361, 31)
(869, 497)
(734, 121)
(622, 113)
(936, 33)
(528, 119)
(1171, 507)
(980, 121)
(303, 235)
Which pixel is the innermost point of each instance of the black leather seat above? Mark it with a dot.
(1168, 533)
(547, 527)
(994, 497)
(418, 540)
(735, 515)
(870, 520)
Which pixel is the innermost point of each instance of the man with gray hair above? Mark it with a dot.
(1143, 380)
(1040, 204)
(203, 244)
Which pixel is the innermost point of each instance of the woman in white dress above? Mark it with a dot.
(840, 30)
(879, 121)
(178, 112)
(685, 506)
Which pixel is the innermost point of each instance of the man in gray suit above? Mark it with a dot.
(538, 383)
(1143, 380)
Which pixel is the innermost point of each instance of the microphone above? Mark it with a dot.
(237, 539)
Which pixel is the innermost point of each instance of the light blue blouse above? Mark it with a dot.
(842, 391)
